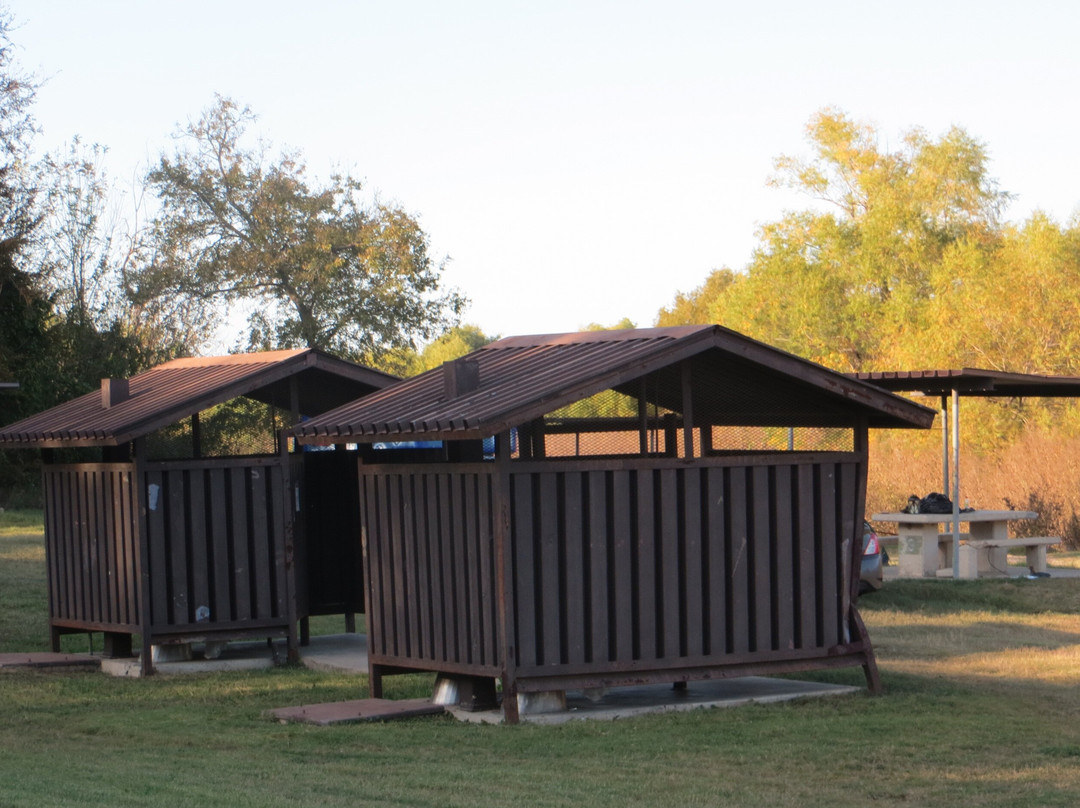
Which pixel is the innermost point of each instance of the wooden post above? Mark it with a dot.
(142, 558)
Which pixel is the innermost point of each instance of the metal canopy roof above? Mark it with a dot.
(175, 390)
(974, 382)
(734, 378)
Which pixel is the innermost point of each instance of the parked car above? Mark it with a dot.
(874, 559)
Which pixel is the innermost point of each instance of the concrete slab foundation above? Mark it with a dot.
(626, 702)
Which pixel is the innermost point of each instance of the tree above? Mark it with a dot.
(317, 265)
(23, 304)
(853, 281)
(693, 308)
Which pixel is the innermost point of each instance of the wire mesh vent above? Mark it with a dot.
(686, 412)
(237, 428)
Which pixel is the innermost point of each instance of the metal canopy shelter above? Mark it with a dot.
(952, 384)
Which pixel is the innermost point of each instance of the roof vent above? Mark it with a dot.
(113, 391)
(460, 376)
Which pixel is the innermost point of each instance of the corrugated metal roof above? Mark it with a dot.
(975, 382)
(174, 390)
(521, 378)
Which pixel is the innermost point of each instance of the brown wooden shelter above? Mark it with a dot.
(160, 523)
(617, 507)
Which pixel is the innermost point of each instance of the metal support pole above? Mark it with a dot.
(956, 483)
(945, 445)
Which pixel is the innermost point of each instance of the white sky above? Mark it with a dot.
(577, 161)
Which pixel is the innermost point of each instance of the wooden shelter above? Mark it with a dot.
(175, 511)
(611, 508)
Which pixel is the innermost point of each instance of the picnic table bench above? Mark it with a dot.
(925, 551)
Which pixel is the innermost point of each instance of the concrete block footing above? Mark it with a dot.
(545, 701)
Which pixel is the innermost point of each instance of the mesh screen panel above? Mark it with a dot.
(646, 417)
(237, 428)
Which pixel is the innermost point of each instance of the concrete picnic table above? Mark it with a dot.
(924, 548)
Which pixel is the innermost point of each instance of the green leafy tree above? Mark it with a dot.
(318, 266)
(850, 280)
(693, 308)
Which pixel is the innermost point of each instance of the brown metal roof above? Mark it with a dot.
(736, 380)
(174, 390)
(974, 382)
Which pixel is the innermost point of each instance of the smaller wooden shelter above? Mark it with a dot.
(612, 508)
(174, 508)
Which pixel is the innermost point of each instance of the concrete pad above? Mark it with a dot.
(343, 712)
(336, 653)
(626, 702)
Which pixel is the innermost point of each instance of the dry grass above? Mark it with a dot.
(1039, 471)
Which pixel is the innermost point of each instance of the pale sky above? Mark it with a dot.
(577, 162)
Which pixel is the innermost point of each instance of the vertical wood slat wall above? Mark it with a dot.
(430, 560)
(611, 569)
(215, 538)
(92, 550)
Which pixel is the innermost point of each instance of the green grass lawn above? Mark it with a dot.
(980, 709)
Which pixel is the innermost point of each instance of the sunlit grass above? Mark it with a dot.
(979, 709)
(1066, 559)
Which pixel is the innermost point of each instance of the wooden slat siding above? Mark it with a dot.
(783, 518)
(370, 529)
(692, 566)
(240, 543)
(849, 530)
(182, 608)
(598, 533)
(575, 565)
(645, 579)
(807, 594)
(397, 592)
(88, 545)
(525, 623)
(487, 572)
(77, 548)
(277, 509)
(260, 550)
(449, 545)
(435, 566)
(102, 539)
(221, 607)
(449, 568)
(156, 548)
(761, 553)
(410, 556)
(715, 540)
(106, 601)
(391, 636)
(671, 623)
(550, 598)
(197, 541)
(829, 555)
(53, 507)
(117, 527)
(460, 606)
(738, 562)
(622, 580)
(747, 540)
(68, 543)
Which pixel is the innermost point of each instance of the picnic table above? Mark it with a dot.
(925, 551)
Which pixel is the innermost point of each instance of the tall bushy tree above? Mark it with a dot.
(319, 266)
(845, 281)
